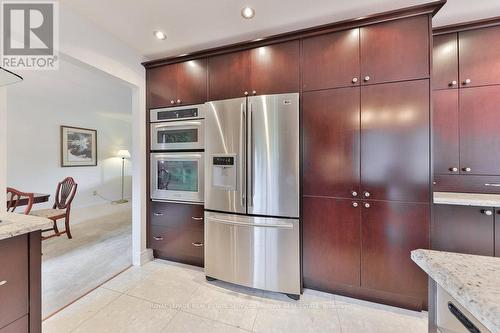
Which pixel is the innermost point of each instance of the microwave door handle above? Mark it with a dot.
(242, 153)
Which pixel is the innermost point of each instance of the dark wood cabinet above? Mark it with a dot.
(331, 142)
(177, 84)
(274, 69)
(395, 147)
(497, 233)
(479, 130)
(390, 231)
(445, 62)
(445, 130)
(332, 243)
(176, 232)
(479, 56)
(331, 60)
(463, 229)
(19, 326)
(229, 75)
(395, 50)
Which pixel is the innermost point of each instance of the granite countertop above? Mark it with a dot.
(474, 281)
(467, 199)
(13, 224)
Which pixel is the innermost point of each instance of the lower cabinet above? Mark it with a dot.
(361, 248)
(497, 233)
(465, 229)
(176, 232)
(19, 326)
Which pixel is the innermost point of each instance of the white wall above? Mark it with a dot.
(72, 96)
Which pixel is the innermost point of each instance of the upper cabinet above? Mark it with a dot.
(445, 61)
(228, 75)
(338, 54)
(395, 50)
(178, 84)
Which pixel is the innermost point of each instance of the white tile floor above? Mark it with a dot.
(166, 297)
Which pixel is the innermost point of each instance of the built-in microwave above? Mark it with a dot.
(178, 128)
(177, 176)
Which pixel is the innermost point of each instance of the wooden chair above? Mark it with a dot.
(65, 194)
(14, 198)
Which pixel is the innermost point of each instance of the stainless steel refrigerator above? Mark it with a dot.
(252, 192)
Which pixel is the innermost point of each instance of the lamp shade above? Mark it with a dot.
(123, 153)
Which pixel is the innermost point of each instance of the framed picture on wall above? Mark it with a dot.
(78, 147)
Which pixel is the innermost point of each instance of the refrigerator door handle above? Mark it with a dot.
(251, 156)
(242, 177)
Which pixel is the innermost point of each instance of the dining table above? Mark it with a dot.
(37, 198)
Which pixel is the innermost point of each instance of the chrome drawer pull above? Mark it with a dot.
(493, 185)
(158, 238)
(158, 214)
(197, 244)
(3, 282)
(197, 218)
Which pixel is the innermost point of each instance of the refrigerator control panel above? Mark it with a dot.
(224, 172)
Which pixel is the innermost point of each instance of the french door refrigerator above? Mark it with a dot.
(252, 192)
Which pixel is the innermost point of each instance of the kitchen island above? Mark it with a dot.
(467, 283)
(20, 272)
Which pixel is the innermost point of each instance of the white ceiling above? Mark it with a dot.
(193, 25)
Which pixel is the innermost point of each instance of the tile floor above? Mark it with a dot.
(167, 297)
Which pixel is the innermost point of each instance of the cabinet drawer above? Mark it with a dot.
(467, 184)
(176, 215)
(13, 279)
(19, 326)
(178, 244)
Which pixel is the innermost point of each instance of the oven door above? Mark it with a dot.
(177, 135)
(177, 176)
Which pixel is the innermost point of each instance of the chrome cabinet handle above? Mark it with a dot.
(367, 205)
(4, 282)
(158, 214)
(453, 83)
(486, 212)
(354, 193)
(172, 102)
(246, 93)
(254, 92)
(179, 101)
(467, 81)
(158, 238)
(354, 79)
(355, 204)
(197, 244)
(367, 78)
(492, 185)
(454, 169)
(467, 169)
(197, 218)
(367, 194)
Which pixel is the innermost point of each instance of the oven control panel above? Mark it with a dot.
(224, 172)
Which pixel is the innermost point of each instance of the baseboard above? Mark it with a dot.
(145, 257)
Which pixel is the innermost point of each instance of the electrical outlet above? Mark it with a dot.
(94, 193)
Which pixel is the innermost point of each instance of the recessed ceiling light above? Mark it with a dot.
(248, 12)
(160, 35)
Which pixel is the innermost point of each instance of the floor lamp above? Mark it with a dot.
(123, 154)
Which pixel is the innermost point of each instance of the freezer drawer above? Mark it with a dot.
(256, 252)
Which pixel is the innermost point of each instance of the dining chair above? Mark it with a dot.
(65, 193)
(14, 198)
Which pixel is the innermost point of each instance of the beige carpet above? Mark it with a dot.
(101, 247)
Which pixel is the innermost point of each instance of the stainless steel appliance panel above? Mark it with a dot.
(225, 137)
(178, 135)
(177, 176)
(257, 252)
(273, 154)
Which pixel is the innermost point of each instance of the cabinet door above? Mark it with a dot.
(497, 233)
(19, 326)
(445, 61)
(479, 130)
(331, 60)
(479, 56)
(463, 229)
(395, 146)
(332, 243)
(192, 81)
(274, 69)
(228, 75)
(389, 232)
(162, 86)
(331, 142)
(445, 132)
(395, 50)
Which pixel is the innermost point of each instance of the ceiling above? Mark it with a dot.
(193, 25)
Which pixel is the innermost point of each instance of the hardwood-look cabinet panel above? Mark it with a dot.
(14, 292)
(479, 56)
(162, 86)
(395, 50)
(467, 184)
(497, 233)
(274, 69)
(445, 61)
(331, 142)
(177, 215)
(229, 75)
(331, 60)
(192, 81)
(463, 229)
(445, 130)
(332, 243)
(479, 130)
(19, 326)
(395, 145)
(390, 231)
